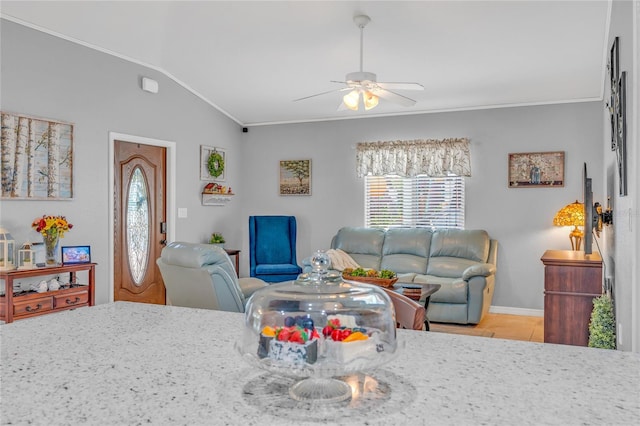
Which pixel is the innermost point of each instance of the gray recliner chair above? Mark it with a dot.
(203, 276)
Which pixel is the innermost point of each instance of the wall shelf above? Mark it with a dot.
(216, 199)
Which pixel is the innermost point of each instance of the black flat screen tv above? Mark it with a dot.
(589, 216)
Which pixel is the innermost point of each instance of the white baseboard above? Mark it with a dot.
(516, 311)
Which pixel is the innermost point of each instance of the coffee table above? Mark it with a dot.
(426, 291)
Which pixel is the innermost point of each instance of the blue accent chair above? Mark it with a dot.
(272, 248)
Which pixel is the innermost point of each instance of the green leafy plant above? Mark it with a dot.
(215, 164)
(602, 327)
(216, 238)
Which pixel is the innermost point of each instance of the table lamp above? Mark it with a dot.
(572, 215)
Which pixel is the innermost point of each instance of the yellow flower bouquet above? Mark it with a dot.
(52, 229)
(48, 225)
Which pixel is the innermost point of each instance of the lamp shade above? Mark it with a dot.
(570, 215)
(351, 100)
(370, 100)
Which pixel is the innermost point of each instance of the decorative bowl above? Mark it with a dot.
(382, 282)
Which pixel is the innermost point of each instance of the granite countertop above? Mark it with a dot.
(127, 363)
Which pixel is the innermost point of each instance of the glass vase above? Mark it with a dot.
(51, 248)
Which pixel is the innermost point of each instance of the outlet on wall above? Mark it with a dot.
(619, 333)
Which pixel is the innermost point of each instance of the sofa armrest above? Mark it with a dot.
(248, 286)
(481, 269)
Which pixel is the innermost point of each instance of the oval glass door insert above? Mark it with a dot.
(137, 225)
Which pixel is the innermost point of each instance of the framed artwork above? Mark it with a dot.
(621, 134)
(212, 163)
(295, 177)
(613, 63)
(536, 169)
(37, 158)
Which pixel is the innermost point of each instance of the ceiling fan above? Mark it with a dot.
(363, 85)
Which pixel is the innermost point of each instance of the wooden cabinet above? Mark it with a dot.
(25, 305)
(571, 281)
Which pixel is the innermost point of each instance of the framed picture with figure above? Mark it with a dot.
(536, 169)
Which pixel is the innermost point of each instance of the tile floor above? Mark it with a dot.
(503, 326)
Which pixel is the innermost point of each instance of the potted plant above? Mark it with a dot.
(602, 327)
(217, 239)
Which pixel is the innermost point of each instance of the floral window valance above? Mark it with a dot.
(429, 157)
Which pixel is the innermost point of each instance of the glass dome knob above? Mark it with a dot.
(320, 262)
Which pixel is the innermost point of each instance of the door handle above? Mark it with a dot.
(163, 242)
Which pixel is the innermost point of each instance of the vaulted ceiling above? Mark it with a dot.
(252, 59)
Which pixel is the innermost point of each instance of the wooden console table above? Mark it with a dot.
(571, 281)
(31, 304)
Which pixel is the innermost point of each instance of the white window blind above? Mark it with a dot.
(420, 201)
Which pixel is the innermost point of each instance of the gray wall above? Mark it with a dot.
(621, 240)
(47, 77)
(520, 219)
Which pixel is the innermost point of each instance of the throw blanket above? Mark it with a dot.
(341, 260)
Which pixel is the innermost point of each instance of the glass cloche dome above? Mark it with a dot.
(319, 327)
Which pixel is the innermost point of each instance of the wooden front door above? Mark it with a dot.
(139, 214)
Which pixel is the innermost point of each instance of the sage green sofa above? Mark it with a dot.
(463, 262)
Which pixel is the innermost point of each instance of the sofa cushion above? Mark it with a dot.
(364, 245)
(452, 290)
(454, 250)
(406, 250)
(449, 267)
(279, 269)
(466, 244)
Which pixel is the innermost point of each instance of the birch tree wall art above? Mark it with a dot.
(36, 158)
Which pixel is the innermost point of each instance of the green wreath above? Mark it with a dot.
(215, 164)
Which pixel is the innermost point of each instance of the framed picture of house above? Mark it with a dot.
(213, 163)
(295, 177)
(37, 158)
(536, 169)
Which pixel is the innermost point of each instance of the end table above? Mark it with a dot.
(426, 290)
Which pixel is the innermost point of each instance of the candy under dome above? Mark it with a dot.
(317, 328)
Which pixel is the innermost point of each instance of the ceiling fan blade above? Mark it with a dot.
(401, 86)
(341, 107)
(323, 93)
(394, 97)
(317, 94)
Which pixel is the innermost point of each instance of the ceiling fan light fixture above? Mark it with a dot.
(351, 100)
(370, 100)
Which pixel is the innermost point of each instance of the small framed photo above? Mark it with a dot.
(536, 169)
(213, 164)
(73, 255)
(295, 177)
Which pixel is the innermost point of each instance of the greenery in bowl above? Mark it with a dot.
(371, 273)
(216, 238)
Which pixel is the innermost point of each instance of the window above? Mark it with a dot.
(421, 201)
